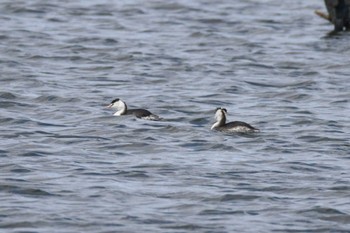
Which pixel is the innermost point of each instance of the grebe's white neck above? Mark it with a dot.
(220, 117)
(120, 106)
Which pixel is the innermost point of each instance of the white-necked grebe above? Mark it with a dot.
(231, 127)
(122, 109)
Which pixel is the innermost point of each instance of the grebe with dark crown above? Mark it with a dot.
(122, 109)
(231, 127)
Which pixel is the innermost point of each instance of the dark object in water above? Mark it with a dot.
(122, 109)
(339, 13)
(231, 127)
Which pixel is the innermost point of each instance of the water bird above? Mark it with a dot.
(231, 127)
(122, 109)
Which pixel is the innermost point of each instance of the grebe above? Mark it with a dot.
(231, 127)
(122, 109)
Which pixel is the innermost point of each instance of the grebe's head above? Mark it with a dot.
(116, 103)
(220, 117)
(119, 105)
(220, 113)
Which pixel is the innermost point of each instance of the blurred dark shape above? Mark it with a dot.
(339, 13)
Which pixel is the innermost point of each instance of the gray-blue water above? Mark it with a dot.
(68, 165)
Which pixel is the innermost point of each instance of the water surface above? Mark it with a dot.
(68, 165)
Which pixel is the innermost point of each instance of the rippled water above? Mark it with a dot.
(68, 165)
